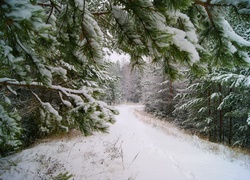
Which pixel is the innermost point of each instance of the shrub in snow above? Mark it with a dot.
(10, 130)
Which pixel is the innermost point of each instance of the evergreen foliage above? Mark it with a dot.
(63, 176)
(113, 90)
(10, 130)
(158, 92)
(131, 84)
(218, 106)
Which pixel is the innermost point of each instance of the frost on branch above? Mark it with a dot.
(183, 44)
(235, 43)
(93, 38)
(79, 110)
(22, 29)
(69, 108)
(242, 6)
(126, 32)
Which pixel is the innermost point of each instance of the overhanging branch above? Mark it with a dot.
(64, 90)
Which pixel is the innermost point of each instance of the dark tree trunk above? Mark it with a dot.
(209, 115)
(230, 124)
(221, 133)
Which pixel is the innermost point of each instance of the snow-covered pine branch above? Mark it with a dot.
(10, 130)
(93, 38)
(79, 102)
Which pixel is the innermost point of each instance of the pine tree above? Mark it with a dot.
(55, 63)
(131, 84)
(10, 130)
(217, 106)
(158, 92)
(113, 90)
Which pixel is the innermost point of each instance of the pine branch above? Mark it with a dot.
(207, 7)
(50, 13)
(205, 35)
(36, 96)
(209, 4)
(44, 5)
(52, 4)
(122, 26)
(65, 91)
(66, 11)
(100, 13)
(83, 10)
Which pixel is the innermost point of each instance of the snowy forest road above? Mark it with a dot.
(133, 149)
(171, 155)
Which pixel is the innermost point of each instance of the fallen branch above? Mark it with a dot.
(133, 159)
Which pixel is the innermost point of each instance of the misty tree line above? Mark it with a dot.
(127, 86)
(215, 106)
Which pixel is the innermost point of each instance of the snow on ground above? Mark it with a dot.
(133, 149)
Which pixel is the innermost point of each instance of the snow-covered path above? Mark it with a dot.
(132, 150)
(176, 156)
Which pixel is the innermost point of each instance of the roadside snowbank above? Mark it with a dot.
(132, 150)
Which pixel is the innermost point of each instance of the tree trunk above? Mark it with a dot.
(209, 115)
(221, 133)
(215, 132)
(230, 124)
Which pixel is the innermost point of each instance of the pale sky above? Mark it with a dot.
(117, 57)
